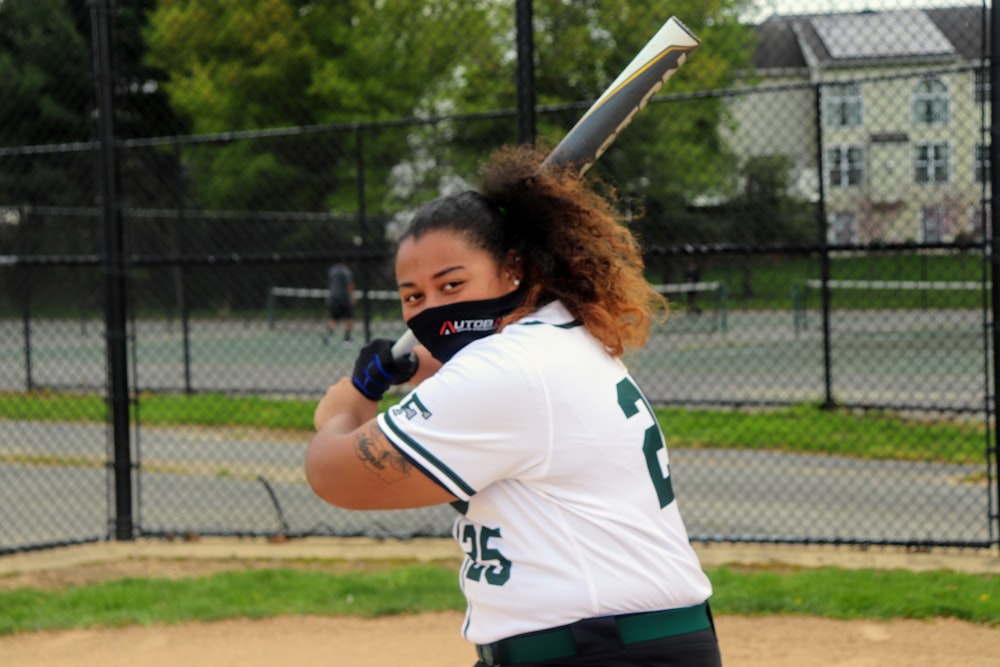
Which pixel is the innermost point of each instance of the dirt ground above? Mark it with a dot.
(427, 640)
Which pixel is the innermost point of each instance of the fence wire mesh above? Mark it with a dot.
(812, 191)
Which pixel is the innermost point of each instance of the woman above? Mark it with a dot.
(526, 420)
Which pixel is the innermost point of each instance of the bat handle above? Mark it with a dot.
(404, 345)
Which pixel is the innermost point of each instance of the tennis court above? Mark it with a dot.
(239, 481)
(911, 359)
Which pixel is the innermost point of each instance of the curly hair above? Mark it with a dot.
(573, 245)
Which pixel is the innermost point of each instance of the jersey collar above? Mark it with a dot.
(553, 314)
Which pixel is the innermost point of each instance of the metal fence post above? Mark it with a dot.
(824, 260)
(185, 331)
(29, 381)
(114, 271)
(724, 306)
(797, 306)
(359, 157)
(994, 244)
(525, 73)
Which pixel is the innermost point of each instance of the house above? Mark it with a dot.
(901, 98)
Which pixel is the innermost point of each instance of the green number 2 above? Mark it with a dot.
(629, 398)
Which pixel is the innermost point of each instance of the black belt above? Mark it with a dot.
(561, 642)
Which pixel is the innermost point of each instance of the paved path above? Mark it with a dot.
(54, 487)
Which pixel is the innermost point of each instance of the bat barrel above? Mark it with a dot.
(626, 96)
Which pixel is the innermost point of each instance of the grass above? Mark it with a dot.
(852, 594)
(232, 594)
(802, 428)
(869, 434)
(212, 409)
(829, 592)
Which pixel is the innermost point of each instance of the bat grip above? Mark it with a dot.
(404, 345)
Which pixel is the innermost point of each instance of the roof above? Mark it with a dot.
(939, 35)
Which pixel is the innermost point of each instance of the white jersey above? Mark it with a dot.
(567, 506)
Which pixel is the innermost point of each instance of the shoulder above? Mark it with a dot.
(552, 334)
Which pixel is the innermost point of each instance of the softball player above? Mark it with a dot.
(524, 418)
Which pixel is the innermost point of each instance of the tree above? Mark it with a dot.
(765, 212)
(285, 63)
(266, 64)
(45, 98)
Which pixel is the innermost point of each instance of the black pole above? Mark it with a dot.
(824, 258)
(29, 380)
(114, 271)
(525, 73)
(185, 331)
(994, 241)
(363, 283)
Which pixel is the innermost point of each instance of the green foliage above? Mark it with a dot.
(44, 92)
(764, 211)
(274, 63)
(842, 594)
(45, 97)
(230, 65)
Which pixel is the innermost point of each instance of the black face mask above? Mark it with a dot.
(444, 330)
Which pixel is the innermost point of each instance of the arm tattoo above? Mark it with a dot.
(381, 457)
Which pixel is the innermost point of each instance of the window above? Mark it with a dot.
(932, 224)
(843, 105)
(930, 102)
(930, 163)
(843, 227)
(981, 92)
(981, 164)
(845, 166)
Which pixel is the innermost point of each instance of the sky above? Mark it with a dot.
(768, 7)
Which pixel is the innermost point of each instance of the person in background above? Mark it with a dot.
(692, 276)
(524, 297)
(339, 300)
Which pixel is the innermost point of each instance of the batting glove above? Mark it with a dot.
(376, 370)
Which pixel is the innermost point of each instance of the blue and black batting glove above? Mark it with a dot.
(376, 370)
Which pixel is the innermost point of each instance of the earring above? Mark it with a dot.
(517, 282)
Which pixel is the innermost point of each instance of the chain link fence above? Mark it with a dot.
(812, 191)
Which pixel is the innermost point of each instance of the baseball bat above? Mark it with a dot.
(612, 111)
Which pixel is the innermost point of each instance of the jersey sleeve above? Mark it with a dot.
(483, 417)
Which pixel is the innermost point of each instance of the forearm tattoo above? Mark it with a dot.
(380, 457)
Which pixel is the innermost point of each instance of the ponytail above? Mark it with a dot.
(574, 247)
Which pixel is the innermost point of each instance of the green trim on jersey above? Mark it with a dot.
(430, 458)
(565, 325)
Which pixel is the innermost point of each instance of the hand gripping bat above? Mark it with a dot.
(613, 111)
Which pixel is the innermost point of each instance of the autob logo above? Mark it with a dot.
(449, 327)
